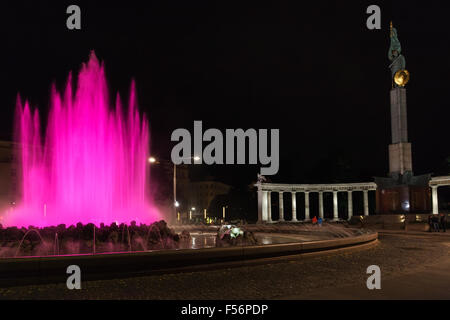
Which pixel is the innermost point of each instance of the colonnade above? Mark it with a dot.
(266, 189)
(436, 182)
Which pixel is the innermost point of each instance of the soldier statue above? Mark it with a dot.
(400, 76)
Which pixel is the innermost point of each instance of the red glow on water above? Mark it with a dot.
(90, 166)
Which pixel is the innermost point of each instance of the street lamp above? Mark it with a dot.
(190, 213)
(196, 158)
(176, 204)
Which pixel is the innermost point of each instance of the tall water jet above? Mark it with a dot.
(90, 165)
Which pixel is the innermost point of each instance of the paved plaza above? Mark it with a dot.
(413, 265)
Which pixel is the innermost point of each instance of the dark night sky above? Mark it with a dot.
(313, 70)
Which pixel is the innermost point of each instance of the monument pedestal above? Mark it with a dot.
(403, 199)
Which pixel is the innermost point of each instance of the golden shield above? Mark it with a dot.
(401, 77)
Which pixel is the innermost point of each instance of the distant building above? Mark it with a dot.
(201, 194)
(190, 194)
(7, 175)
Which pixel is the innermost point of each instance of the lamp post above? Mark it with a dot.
(223, 212)
(176, 204)
(177, 213)
(196, 158)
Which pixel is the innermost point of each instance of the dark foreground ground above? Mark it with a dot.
(413, 265)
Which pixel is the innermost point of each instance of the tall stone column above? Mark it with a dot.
(435, 201)
(399, 123)
(264, 207)
(350, 204)
(269, 206)
(307, 215)
(281, 206)
(294, 207)
(366, 202)
(335, 206)
(321, 204)
(260, 204)
(400, 149)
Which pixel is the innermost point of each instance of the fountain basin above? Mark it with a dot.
(48, 269)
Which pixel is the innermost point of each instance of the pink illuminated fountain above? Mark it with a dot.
(90, 166)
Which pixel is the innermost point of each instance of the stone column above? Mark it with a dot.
(335, 206)
(260, 204)
(321, 204)
(399, 123)
(366, 202)
(280, 197)
(269, 206)
(350, 204)
(307, 216)
(435, 201)
(264, 208)
(294, 207)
